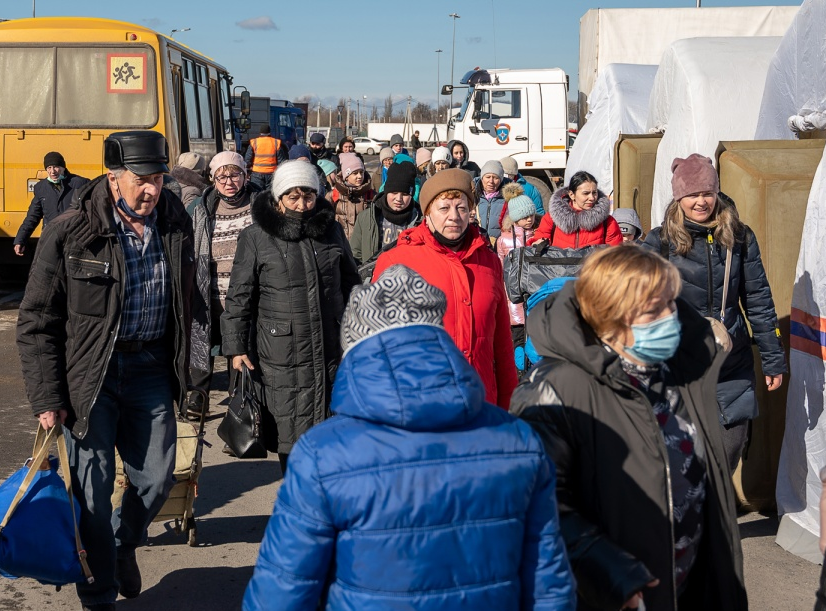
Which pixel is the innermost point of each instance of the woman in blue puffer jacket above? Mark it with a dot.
(418, 494)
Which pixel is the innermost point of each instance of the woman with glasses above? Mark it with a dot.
(451, 254)
(290, 281)
(218, 217)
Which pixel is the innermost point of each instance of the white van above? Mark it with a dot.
(515, 113)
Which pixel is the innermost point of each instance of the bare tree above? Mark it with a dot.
(422, 113)
(374, 114)
(388, 109)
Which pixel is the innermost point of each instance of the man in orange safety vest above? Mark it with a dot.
(263, 156)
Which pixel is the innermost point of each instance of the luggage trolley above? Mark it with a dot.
(188, 464)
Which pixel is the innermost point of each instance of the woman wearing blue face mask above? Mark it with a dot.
(624, 400)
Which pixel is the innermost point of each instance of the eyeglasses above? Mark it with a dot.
(227, 177)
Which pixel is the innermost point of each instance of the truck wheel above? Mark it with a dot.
(371, 152)
(543, 188)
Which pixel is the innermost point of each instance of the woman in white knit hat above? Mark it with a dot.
(291, 279)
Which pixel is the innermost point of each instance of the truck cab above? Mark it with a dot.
(515, 113)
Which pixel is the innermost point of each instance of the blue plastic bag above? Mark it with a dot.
(39, 539)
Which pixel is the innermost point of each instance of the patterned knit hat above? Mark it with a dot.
(398, 298)
(385, 153)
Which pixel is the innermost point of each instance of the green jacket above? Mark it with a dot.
(365, 241)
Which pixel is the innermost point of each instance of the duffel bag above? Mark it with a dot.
(529, 267)
(39, 533)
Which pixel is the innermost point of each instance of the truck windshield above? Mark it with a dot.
(76, 86)
(460, 117)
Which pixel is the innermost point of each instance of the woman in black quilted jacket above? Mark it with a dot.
(701, 226)
(290, 281)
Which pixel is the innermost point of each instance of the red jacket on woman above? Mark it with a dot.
(477, 315)
(564, 227)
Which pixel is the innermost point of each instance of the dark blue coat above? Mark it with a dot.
(417, 495)
(703, 272)
(48, 203)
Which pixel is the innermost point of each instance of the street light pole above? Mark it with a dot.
(453, 16)
(438, 86)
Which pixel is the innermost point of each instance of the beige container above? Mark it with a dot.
(634, 159)
(770, 181)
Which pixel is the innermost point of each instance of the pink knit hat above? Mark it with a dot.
(694, 174)
(423, 155)
(225, 158)
(350, 162)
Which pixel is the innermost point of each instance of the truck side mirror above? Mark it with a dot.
(447, 89)
(245, 103)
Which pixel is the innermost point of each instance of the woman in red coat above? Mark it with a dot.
(579, 215)
(451, 254)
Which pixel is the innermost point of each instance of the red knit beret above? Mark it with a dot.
(694, 174)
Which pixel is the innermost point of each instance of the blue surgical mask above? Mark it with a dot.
(657, 341)
(56, 180)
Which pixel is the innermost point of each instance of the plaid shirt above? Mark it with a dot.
(146, 296)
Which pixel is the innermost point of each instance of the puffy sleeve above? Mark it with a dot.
(298, 546)
(758, 304)
(543, 232)
(613, 234)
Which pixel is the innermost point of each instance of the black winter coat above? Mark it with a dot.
(48, 203)
(613, 482)
(290, 282)
(69, 316)
(703, 272)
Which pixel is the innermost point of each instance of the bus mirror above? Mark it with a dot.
(245, 103)
(447, 89)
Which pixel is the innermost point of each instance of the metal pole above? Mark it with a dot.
(318, 114)
(347, 125)
(33, 8)
(699, 2)
(438, 88)
(454, 16)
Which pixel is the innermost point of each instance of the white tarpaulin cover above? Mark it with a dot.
(619, 104)
(641, 35)
(706, 90)
(804, 442)
(796, 83)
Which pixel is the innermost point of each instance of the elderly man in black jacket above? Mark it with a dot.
(103, 335)
(52, 197)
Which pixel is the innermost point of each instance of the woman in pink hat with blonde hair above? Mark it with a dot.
(723, 278)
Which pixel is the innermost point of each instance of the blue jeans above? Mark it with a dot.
(262, 180)
(133, 412)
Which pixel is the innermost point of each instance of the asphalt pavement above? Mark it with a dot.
(235, 500)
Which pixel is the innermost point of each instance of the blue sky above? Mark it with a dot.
(329, 48)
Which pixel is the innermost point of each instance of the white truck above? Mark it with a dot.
(516, 113)
(384, 131)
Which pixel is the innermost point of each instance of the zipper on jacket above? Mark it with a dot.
(105, 264)
(710, 287)
(669, 492)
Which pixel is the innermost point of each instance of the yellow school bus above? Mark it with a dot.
(66, 83)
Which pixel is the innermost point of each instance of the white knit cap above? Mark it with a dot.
(292, 174)
(225, 158)
(441, 153)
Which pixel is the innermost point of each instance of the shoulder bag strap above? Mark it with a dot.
(63, 455)
(726, 279)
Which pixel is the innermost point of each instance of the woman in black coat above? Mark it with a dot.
(624, 400)
(701, 226)
(291, 278)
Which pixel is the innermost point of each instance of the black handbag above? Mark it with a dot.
(242, 428)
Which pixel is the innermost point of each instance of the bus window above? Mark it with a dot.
(225, 109)
(27, 94)
(106, 87)
(203, 102)
(191, 100)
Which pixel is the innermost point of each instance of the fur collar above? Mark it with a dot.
(569, 221)
(354, 194)
(279, 226)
